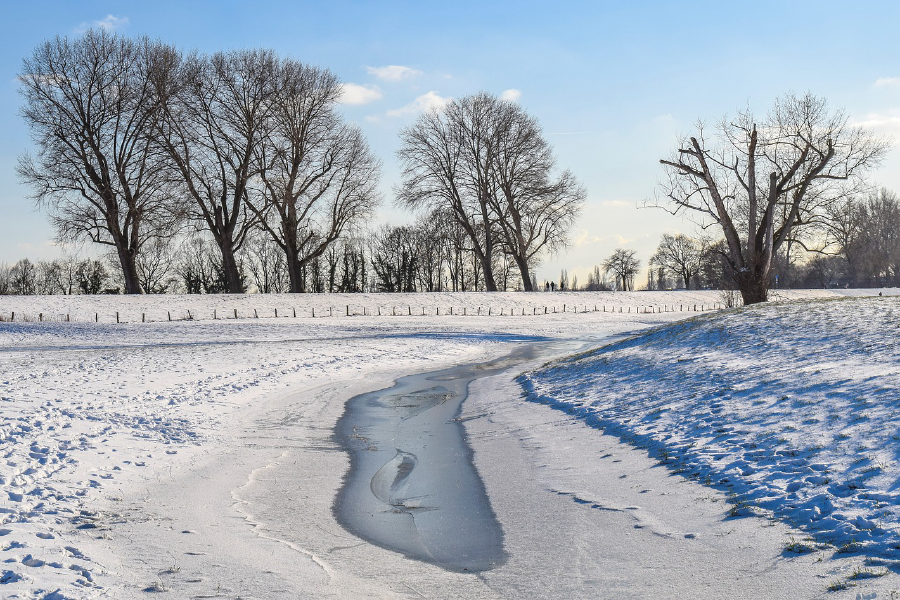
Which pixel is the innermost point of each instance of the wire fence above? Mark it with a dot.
(350, 310)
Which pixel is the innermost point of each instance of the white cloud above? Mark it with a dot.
(393, 72)
(109, 23)
(618, 203)
(512, 95)
(583, 238)
(881, 123)
(353, 93)
(424, 103)
(885, 81)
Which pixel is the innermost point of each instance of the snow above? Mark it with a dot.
(790, 408)
(150, 454)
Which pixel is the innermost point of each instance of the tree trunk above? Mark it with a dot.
(296, 273)
(754, 287)
(527, 284)
(490, 285)
(129, 270)
(233, 281)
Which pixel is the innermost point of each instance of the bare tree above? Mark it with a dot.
(394, 254)
(624, 266)
(446, 160)
(679, 254)
(318, 176)
(91, 276)
(485, 161)
(23, 278)
(90, 105)
(215, 116)
(768, 178)
(535, 212)
(265, 263)
(155, 266)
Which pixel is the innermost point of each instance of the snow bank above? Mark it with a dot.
(792, 407)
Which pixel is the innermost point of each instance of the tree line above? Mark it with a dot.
(204, 172)
(210, 173)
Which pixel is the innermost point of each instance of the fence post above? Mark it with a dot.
(330, 311)
(276, 312)
(409, 308)
(96, 318)
(314, 312)
(489, 311)
(255, 314)
(545, 310)
(295, 311)
(67, 317)
(235, 313)
(143, 319)
(40, 317)
(190, 318)
(117, 316)
(348, 310)
(13, 317)
(169, 313)
(214, 314)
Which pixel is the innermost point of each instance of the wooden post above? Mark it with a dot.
(214, 314)
(117, 316)
(143, 320)
(255, 314)
(564, 308)
(67, 318)
(190, 318)
(479, 311)
(294, 308)
(13, 317)
(393, 311)
(545, 310)
(464, 311)
(40, 317)
(276, 312)
(489, 311)
(314, 312)
(330, 311)
(169, 313)
(96, 318)
(235, 313)
(437, 311)
(451, 311)
(348, 310)
(379, 311)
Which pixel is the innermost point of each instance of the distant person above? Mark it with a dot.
(552, 286)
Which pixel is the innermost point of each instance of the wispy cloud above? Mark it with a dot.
(353, 93)
(393, 72)
(886, 81)
(512, 95)
(109, 23)
(617, 203)
(887, 123)
(424, 103)
(583, 238)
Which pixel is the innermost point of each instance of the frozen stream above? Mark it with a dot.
(412, 486)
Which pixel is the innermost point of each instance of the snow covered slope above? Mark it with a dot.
(794, 408)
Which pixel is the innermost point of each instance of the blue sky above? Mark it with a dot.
(612, 83)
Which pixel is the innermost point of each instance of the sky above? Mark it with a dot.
(613, 84)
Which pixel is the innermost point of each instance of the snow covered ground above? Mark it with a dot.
(792, 409)
(150, 455)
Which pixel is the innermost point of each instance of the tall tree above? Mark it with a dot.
(761, 182)
(679, 254)
(318, 176)
(446, 158)
(535, 211)
(485, 161)
(214, 119)
(624, 266)
(90, 104)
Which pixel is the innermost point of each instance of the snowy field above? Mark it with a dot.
(194, 457)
